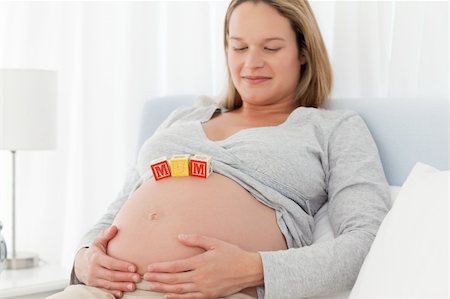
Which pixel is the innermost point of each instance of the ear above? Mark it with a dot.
(302, 59)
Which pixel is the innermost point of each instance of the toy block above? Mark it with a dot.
(179, 165)
(160, 168)
(200, 166)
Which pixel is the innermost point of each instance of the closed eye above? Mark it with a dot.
(266, 49)
(239, 49)
(272, 49)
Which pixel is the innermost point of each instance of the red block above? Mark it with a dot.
(200, 166)
(160, 168)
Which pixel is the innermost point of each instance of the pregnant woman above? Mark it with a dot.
(246, 230)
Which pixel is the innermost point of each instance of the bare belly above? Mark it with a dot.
(150, 221)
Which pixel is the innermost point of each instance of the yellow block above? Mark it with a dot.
(179, 165)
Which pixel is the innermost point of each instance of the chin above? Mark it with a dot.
(260, 96)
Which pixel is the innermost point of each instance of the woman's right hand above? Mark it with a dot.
(94, 267)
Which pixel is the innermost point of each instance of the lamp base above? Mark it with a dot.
(23, 260)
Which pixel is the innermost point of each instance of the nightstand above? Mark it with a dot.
(34, 283)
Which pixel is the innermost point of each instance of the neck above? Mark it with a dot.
(257, 111)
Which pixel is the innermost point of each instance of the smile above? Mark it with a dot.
(255, 79)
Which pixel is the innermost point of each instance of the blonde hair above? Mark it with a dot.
(315, 81)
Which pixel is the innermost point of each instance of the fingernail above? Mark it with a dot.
(131, 269)
(182, 237)
(136, 278)
(130, 286)
(146, 276)
(119, 294)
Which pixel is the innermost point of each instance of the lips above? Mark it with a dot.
(255, 79)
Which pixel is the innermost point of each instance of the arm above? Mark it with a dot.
(91, 258)
(132, 182)
(212, 274)
(358, 196)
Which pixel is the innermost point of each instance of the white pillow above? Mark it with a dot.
(409, 256)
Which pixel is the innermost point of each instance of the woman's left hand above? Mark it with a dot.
(223, 269)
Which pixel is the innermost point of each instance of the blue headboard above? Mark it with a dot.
(406, 130)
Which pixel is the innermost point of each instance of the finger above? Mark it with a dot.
(195, 240)
(175, 266)
(116, 286)
(196, 295)
(111, 263)
(169, 278)
(118, 275)
(181, 288)
(107, 235)
(115, 293)
(111, 232)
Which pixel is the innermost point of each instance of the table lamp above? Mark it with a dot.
(27, 122)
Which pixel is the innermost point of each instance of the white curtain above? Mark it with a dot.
(112, 56)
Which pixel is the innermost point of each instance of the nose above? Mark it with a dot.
(254, 59)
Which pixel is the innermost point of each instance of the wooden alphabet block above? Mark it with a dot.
(160, 168)
(179, 165)
(200, 166)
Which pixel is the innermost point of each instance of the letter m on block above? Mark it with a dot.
(198, 168)
(160, 169)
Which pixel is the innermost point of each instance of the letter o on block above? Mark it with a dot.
(179, 165)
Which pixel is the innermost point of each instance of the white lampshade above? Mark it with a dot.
(27, 109)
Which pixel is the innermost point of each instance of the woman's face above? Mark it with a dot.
(262, 54)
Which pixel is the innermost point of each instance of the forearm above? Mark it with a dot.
(74, 279)
(317, 270)
(254, 274)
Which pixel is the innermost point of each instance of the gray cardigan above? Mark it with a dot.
(315, 156)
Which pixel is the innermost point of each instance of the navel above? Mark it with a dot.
(152, 216)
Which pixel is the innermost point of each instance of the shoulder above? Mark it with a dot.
(334, 126)
(346, 130)
(327, 119)
(201, 109)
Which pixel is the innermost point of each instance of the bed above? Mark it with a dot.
(409, 256)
